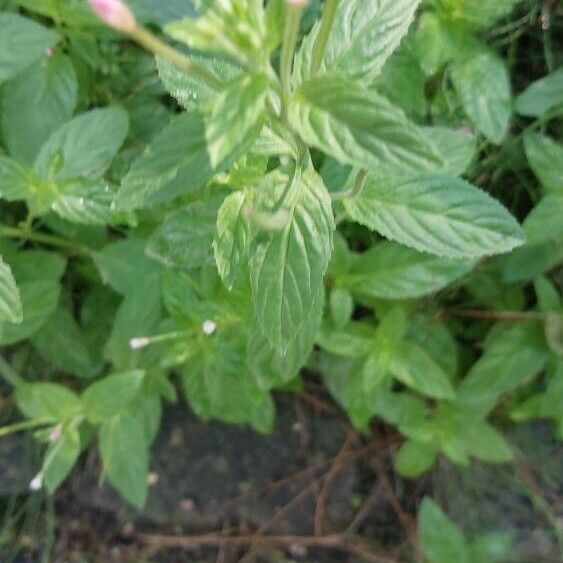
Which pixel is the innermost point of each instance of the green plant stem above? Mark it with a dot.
(290, 35)
(324, 32)
(14, 232)
(356, 190)
(9, 374)
(20, 426)
(152, 43)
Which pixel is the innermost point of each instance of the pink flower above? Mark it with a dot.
(114, 13)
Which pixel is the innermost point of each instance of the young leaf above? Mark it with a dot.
(48, 401)
(414, 459)
(544, 223)
(22, 42)
(514, 355)
(188, 90)
(485, 442)
(413, 367)
(441, 540)
(363, 36)
(477, 13)
(490, 109)
(15, 179)
(175, 163)
(392, 271)
(185, 238)
(61, 342)
(48, 91)
(437, 214)
(541, 96)
(546, 159)
(125, 455)
(357, 126)
(341, 306)
(235, 119)
(288, 266)
(108, 396)
(11, 310)
(232, 239)
(85, 146)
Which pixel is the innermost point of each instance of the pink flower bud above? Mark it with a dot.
(114, 13)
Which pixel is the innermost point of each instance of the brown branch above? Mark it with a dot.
(350, 544)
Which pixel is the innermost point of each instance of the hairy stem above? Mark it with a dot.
(9, 374)
(290, 36)
(20, 426)
(324, 32)
(14, 232)
(152, 43)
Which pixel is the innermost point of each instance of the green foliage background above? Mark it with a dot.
(353, 209)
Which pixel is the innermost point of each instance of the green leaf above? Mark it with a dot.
(61, 342)
(485, 442)
(137, 316)
(60, 458)
(235, 118)
(185, 238)
(217, 384)
(15, 179)
(441, 540)
(529, 261)
(341, 306)
(125, 455)
(269, 367)
(439, 41)
(392, 271)
(175, 163)
(542, 96)
(415, 368)
(544, 223)
(490, 109)
(37, 275)
(456, 147)
(114, 393)
(437, 214)
(232, 239)
(477, 13)
(22, 42)
(85, 146)
(546, 159)
(414, 459)
(351, 341)
(511, 357)
(48, 401)
(48, 91)
(124, 264)
(187, 89)
(363, 36)
(357, 126)
(236, 29)
(11, 310)
(288, 266)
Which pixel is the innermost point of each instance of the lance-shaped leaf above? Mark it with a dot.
(358, 126)
(288, 265)
(436, 214)
(363, 36)
(235, 119)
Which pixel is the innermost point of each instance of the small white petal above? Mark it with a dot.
(139, 342)
(208, 327)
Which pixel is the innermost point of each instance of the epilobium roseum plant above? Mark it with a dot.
(296, 204)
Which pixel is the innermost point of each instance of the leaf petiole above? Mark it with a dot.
(327, 21)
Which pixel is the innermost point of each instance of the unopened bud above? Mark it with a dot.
(208, 328)
(36, 483)
(139, 342)
(115, 13)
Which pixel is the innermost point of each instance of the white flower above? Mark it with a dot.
(139, 342)
(208, 327)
